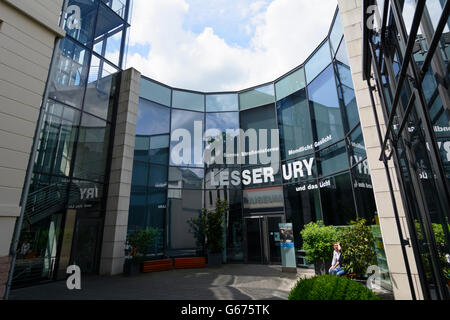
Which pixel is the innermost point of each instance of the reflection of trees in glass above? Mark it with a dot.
(441, 245)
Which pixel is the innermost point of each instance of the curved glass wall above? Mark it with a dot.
(300, 155)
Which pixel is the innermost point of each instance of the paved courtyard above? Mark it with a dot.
(229, 282)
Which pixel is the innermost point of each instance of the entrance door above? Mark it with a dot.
(85, 250)
(262, 238)
(274, 239)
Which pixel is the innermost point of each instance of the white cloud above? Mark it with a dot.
(284, 35)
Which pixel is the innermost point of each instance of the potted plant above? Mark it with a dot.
(198, 227)
(140, 242)
(208, 232)
(318, 245)
(214, 232)
(358, 252)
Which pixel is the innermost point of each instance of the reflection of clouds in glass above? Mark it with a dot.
(435, 10)
(222, 102)
(222, 121)
(152, 118)
(182, 119)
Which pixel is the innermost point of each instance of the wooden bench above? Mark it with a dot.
(157, 265)
(190, 263)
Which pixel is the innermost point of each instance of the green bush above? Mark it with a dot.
(358, 252)
(440, 238)
(318, 241)
(328, 287)
(142, 241)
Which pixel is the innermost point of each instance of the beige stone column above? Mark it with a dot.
(352, 21)
(28, 30)
(116, 221)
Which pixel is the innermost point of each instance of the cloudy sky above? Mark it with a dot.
(219, 45)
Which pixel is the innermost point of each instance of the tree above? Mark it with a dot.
(208, 227)
(357, 242)
(318, 244)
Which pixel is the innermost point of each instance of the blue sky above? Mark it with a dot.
(229, 19)
(221, 45)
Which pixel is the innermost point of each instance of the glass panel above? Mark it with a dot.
(435, 9)
(254, 246)
(409, 7)
(234, 226)
(222, 102)
(365, 201)
(183, 205)
(157, 176)
(318, 62)
(138, 207)
(226, 123)
(101, 89)
(254, 177)
(336, 33)
(188, 100)
(159, 149)
(302, 206)
(257, 97)
(342, 54)
(222, 177)
(142, 148)
(108, 34)
(186, 178)
(273, 226)
(92, 149)
(69, 73)
(294, 122)
(347, 96)
(326, 114)
(187, 150)
(140, 174)
(152, 118)
(85, 244)
(147, 209)
(336, 193)
(38, 243)
(332, 159)
(118, 6)
(290, 84)
(55, 148)
(299, 170)
(108, 46)
(155, 92)
(257, 119)
(260, 200)
(356, 146)
(81, 29)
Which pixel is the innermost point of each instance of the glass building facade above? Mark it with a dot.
(406, 53)
(65, 208)
(319, 159)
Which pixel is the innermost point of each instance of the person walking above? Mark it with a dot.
(336, 263)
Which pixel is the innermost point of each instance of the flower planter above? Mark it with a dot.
(131, 269)
(321, 266)
(214, 259)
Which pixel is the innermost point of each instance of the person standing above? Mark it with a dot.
(336, 263)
